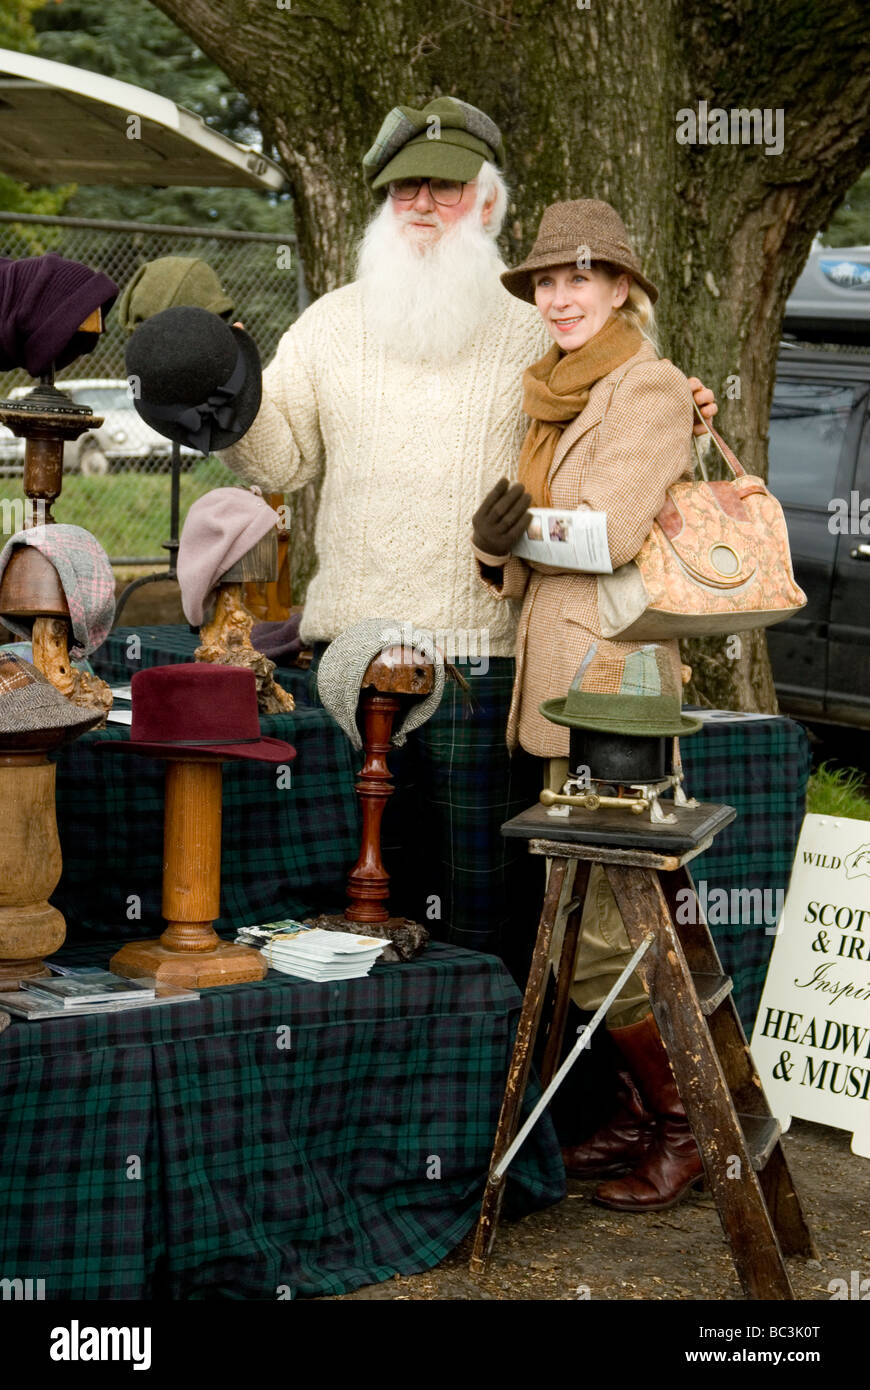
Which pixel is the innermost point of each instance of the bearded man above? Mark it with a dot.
(403, 390)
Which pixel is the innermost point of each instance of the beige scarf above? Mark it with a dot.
(556, 389)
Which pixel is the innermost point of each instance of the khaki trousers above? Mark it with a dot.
(603, 948)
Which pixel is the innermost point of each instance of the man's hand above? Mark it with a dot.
(705, 401)
(501, 518)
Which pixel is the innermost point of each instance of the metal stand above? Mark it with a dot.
(171, 545)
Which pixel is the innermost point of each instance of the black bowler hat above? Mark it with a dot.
(194, 378)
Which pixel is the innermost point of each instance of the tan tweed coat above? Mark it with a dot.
(619, 455)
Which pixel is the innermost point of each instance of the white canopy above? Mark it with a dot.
(61, 124)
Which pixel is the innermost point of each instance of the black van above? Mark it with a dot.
(819, 468)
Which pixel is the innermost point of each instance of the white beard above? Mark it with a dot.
(425, 297)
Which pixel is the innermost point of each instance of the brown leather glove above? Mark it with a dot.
(501, 518)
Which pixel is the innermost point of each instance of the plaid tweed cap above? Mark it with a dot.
(447, 139)
(86, 576)
(623, 693)
(29, 702)
(586, 226)
(344, 663)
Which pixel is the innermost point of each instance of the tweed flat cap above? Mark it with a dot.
(344, 663)
(568, 231)
(447, 139)
(30, 704)
(86, 576)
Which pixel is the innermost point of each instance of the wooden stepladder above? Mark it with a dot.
(691, 1000)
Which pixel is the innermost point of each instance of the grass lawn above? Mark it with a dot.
(838, 791)
(127, 512)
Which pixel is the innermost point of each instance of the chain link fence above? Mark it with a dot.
(117, 483)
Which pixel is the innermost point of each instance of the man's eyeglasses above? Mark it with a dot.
(446, 192)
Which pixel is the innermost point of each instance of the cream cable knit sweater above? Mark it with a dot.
(408, 451)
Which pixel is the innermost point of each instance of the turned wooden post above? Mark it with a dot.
(30, 864)
(392, 677)
(189, 952)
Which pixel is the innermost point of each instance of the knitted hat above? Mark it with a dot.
(29, 704)
(219, 529)
(635, 693)
(195, 379)
(345, 661)
(196, 708)
(169, 281)
(43, 300)
(577, 233)
(447, 139)
(85, 575)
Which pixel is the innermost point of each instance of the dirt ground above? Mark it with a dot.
(680, 1254)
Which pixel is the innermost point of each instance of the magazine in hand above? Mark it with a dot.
(569, 540)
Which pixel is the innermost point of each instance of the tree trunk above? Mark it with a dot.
(587, 95)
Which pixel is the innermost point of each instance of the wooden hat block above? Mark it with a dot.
(225, 639)
(30, 858)
(31, 589)
(395, 678)
(190, 952)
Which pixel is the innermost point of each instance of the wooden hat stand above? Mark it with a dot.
(225, 639)
(30, 857)
(394, 678)
(31, 587)
(189, 952)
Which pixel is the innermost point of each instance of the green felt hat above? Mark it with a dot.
(447, 139)
(634, 694)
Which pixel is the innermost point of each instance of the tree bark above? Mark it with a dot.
(587, 95)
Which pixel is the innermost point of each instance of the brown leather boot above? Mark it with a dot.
(620, 1144)
(673, 1164)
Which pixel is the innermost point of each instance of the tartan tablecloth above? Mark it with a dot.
(761, 768)
(271, 1140)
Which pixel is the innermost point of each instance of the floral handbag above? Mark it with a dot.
(716, 561)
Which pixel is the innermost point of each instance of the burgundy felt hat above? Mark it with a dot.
(198, 708)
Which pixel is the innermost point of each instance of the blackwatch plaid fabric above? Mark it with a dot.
(269, 1140)
(131, 649)
(290, 833)
(761, 768)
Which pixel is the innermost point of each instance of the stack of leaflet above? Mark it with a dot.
(323, 955)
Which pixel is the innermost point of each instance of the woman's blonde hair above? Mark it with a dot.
(638, 308)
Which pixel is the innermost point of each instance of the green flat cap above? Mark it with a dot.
(447, 139)
(167, 283)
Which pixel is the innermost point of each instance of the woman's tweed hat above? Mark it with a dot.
(580, 232)
(30, 704)
(345, 661)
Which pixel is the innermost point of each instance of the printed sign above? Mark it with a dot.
(811, 1042)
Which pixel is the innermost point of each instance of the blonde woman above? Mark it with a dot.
(610, 430)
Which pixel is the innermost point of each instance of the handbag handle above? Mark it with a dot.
(728, 454)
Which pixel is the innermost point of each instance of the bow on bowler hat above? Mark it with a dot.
(195, 379)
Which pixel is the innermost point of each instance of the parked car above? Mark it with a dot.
(122, 441)
(819, 468)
